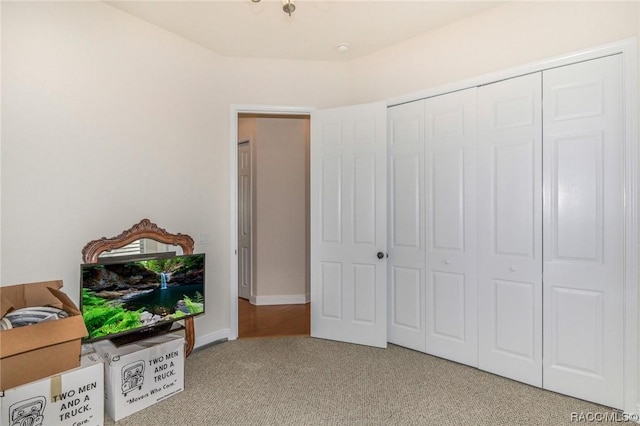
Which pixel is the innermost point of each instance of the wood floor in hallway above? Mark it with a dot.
(273, 320)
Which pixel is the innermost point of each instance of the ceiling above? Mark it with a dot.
(243, 28)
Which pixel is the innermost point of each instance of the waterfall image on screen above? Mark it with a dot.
(126, 296)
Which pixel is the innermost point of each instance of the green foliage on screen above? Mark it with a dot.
(102, 318)
(172, 264)
(196, 305)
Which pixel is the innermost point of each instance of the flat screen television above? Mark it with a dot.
(131, 297)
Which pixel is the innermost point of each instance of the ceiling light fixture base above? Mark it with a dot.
(288, 7)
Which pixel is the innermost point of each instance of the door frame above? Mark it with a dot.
(629, 50)
(235, 110)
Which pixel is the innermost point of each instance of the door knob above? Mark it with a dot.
(380, 255)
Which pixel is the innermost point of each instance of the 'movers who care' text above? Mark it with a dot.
(163, 370)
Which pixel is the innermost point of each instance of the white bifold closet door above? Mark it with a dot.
(583, 230)
(406, 293)
(506, 206)
(510, 228)
(450, 205)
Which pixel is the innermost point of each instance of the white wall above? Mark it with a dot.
(509, 35)
(0, 147)
(638, 124)
(280, 223)
(108, 120)
(281, 209)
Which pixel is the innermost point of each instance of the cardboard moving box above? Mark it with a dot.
(73, 398)
(36, 351)
(141, 374)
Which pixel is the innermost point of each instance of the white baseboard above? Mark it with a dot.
(285, 299)
(212, 337)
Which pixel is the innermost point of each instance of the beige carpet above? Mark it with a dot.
(306, 381)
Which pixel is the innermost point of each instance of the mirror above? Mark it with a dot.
(142, 246)
(144, 235)
(142, 231)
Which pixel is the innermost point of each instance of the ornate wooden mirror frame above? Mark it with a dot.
(144, 229)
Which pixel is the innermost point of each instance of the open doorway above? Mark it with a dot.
(273, 225)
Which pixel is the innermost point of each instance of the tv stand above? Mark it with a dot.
(127, 339)
(146, 333)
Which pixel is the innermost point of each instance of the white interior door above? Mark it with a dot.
(510, 229)
(583, 232)
(451, 232)
(406, 290)
(244, 220)
(349, 224)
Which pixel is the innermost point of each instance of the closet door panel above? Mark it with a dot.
(513, 324)
(405, 288)
(510, 229)
(513, 175)
(447, 194)
(577, 164)
(448, 303)
(451, 298)
(583, 234)
(406, 293)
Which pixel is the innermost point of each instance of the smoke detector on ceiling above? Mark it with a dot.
(343, 47)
